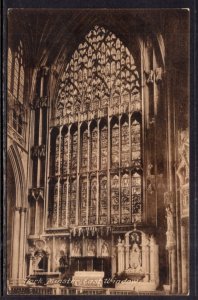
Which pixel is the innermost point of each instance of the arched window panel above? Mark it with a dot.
(93, 201)
(84, 148)
(9, 68)
(14, 120)
(74, 150)
(83, 201)
(16, 77)
(103, 147)
(136, 193)
(136, 143)
(32, 204)
(44, 125)
(114, 144)
(57, 155)
(55, 205)
(34, 171)
(64, 151)
(42, 171)
(72, 202)
(101, 56)
(125, 200)
(54, 149)
(36, 125)
(94, 147)
(62, 204)
(40, 210)
(20, 125)
(115, 212)
(103, 200)
(52, 204)
(125, 142)
(21, 84)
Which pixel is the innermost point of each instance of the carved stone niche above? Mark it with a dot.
(38, 257)
(137, 257)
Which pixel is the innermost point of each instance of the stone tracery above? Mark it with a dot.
(100, 81)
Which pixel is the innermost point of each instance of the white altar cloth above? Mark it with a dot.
(88, 279)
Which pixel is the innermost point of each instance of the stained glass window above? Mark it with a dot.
(103, 147)
(135, 143)
(115, 145)
(16, 77)
(103, 201)
(74, 151)
(64, 152)
(83, 201)
(19, 74)
(55, 200)
(136, 197)
(125, 144)
(94, 146)
(115, 199)
(84, 150)
(100, 67)
(101, 82)
(125, 200)
(62, 203)
(72, 201)
(93, 201)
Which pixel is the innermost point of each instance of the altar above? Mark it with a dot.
(92, 279)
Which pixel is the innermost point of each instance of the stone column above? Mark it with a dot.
(31, 257)
(157, 265)
(98, 168)
(108, 171)
(48, 262)
(21, 246)
(120, 247)
(15, 246)
(147, 263)
(152, 259)
(144, 245)
(78, 177)
(47, 181)
(88, 169)
(36, 224)
(173, 271)
(184, 259)
(127, 255)
(59, 185)
(68, 172)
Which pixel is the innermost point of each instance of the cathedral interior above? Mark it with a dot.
(97, 151)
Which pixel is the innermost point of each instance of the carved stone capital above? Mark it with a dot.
(36, 192)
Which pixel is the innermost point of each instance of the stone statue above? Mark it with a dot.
(169, 215)
(135, 259)
(91, 249)
(104, 249)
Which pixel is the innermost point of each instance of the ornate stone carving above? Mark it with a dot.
(183, 165)
(36, 193)
(149, 76)
(158, 75)
(170, 234)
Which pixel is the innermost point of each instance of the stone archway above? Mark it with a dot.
(16, 215)
(11, 199)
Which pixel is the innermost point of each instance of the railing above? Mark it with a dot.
(25, 290)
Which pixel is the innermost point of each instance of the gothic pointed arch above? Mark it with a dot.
(18, 171)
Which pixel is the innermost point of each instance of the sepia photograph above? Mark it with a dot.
(97, 179)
